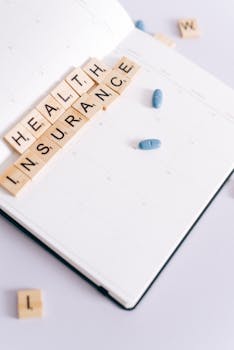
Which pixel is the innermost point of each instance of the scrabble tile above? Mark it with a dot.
(30, 303)
(104, 95)
(29, 163)
(97, 70)
(35, 123)
(13, 180)
(87, 106)
(165, 40)
(60, 133)
(91, 90)
(79, 81)
(64, 94)
(19, 138)
(117, 81)
(189, 28)
(73, 119)
(50, 108)
(45, 148)
(127, 67)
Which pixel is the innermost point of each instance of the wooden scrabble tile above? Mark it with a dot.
(64, 94)
(13, 180)
(189, 28)
(60, 133)
(117, 81)
(87, 106)
(92, 88)
(104, 95)
(29, 163)
(50, 108)
(165, 40)
(35, 123)
(19, 138)
(79, 81)
(96, 69)
(73, 119)
(45, 148)
(30, 303)
(127, 67)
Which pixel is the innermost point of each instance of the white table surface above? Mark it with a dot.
(191, 305)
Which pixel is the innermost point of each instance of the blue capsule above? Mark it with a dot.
(157, 98)
(149, 144)
(140, 25)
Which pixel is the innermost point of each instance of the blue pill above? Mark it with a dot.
(157, 98)
(140, 25)
(149, 144)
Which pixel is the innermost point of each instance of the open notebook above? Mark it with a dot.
(113, 212)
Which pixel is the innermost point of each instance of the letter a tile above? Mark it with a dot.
(50, 108)
(87, 106)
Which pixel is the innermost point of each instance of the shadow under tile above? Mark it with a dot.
(10, 304)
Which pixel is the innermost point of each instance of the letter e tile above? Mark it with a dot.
(35, 123)
(127, 67)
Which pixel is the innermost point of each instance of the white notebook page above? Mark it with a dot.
(117, 213)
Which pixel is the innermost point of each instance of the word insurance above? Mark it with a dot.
(60, 115)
